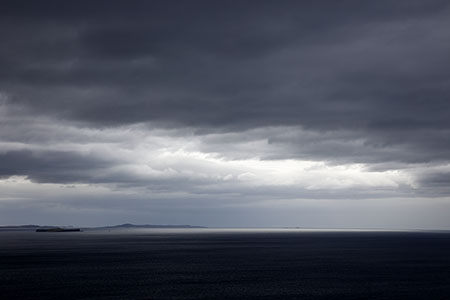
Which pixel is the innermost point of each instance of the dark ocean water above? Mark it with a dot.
(224, 264)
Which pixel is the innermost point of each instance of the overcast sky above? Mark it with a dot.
(225, 113)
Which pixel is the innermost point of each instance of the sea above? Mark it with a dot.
(225, 264)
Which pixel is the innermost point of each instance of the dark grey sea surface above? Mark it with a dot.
(224, 264)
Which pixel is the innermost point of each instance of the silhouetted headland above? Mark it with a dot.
(51, 228)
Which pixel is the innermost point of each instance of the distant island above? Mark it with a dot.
(45, 228)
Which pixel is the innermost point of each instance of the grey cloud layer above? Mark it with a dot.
(380, 67)
(343, 81)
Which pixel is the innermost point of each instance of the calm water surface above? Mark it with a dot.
(224, 264)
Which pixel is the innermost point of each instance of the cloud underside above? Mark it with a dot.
(253, 100)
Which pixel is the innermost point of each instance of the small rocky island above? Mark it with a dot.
(58, 229)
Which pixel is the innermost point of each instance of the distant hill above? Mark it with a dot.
(132, 226)
(24, 227)
(21, 226)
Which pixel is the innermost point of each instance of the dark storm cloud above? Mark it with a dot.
(50, 166)
(382, 149)
(378, 71)
(435, 183)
